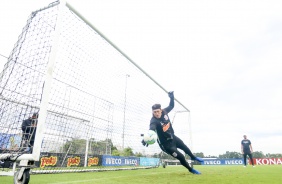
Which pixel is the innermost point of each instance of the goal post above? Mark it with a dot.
(93, 101)
(47, 86)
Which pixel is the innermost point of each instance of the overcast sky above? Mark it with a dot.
(222, 58)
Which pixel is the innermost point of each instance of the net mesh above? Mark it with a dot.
(99, 104)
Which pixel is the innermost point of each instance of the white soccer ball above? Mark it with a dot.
(150, 137)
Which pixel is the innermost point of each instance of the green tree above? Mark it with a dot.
(95, 147)
(201, 154)
(116, 152)
(164, 155)
(101, 147)
(127, 152)
(231, 154)
(211, 156)
(258, 154)
(274, 155)
(75, 146)
(139, 154)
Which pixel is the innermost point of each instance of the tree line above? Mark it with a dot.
(234, 154)
(78, 146)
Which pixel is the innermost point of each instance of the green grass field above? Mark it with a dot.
(267, 174)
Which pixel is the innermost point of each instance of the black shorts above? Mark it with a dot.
(171, 145)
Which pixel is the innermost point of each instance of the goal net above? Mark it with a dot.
(92, 100)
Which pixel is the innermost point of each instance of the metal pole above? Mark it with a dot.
(126, 76)
(86, 152)
(66, 154)
(47, 86)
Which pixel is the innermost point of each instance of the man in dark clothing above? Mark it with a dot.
(167, 140)
(29, 131)
(247, 149)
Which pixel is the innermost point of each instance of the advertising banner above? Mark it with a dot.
(222, 162)
(268, 161)
(10, 141)
(94, 160)
(108, 160)
(63, 160)
(257, 161)
(149, 161)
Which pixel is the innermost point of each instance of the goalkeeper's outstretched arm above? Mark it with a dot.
(171, 103)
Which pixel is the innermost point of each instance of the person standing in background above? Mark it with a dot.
(29, 130)
(247, 149)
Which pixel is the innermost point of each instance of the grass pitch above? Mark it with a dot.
(265, 174)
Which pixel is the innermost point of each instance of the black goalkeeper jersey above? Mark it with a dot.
(162, 125)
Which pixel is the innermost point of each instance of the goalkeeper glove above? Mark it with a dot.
(170, 94)
(144, 143)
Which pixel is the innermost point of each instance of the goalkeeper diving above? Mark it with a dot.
(167, 140)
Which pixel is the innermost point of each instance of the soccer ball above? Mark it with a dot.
(150, 137)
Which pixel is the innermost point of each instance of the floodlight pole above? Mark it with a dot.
(124, 108)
